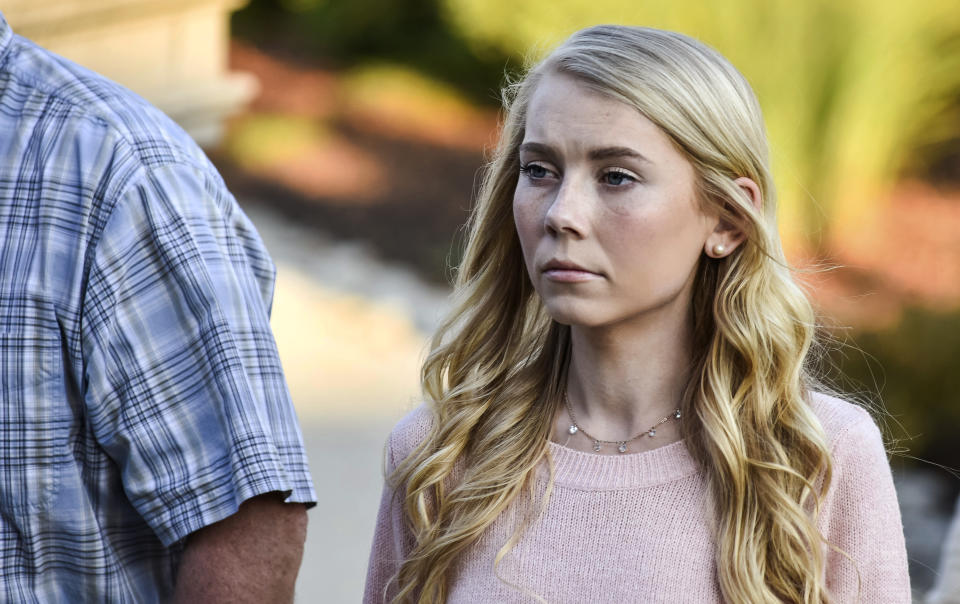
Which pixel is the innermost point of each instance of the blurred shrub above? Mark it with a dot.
(347, 32)
(394, 100)
(913, 367)
(267, 140)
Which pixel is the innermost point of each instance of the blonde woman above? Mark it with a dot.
(619, 407)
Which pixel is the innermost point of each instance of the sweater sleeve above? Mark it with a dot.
(861, 517)
(392, 539)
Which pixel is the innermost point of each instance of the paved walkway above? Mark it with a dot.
(351, 331)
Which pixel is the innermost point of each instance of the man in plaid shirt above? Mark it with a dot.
(149, 449)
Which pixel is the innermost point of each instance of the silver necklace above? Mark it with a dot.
(621, 444)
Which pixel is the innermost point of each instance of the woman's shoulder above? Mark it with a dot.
(842, 420)
(409, 432)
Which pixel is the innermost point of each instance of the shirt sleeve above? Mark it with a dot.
(183, 386)
(861, 517)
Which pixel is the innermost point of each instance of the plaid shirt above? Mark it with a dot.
(141, 395)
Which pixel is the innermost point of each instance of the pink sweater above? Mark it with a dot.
(636, 527)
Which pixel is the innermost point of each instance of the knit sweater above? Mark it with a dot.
(638, 527)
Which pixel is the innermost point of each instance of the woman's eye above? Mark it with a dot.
(617, 178)
(534, 170)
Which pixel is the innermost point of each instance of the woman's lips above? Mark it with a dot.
(569, 275)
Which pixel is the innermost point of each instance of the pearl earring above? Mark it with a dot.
(718, 250)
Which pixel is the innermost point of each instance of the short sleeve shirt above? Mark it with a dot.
(141, 394)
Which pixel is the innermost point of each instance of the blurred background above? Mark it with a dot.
(352, 133)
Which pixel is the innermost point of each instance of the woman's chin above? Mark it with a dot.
(574, 315)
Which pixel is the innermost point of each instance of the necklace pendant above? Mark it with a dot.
(652, 432)
(676, 414)
(573, 429)
(622, 447)
(596, 445)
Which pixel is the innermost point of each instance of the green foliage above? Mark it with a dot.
(266, 140)
(347, 32)
(419, 98)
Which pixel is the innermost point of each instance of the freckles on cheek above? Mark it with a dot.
(525, 228)
(644, 246)
(524, 218)
(628, 232)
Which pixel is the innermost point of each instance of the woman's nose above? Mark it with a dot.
(567, 211)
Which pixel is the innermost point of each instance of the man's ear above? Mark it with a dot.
(727, 236)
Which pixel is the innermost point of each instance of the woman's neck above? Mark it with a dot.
(624, 378)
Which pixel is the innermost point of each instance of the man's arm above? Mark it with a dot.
(185, 388)
(251, 556)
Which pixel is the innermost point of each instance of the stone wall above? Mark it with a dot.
(172, 52)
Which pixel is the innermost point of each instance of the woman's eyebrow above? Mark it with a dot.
(594, 154)
(609, 152)
(538, 149)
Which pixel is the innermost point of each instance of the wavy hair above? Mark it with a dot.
(493, 379)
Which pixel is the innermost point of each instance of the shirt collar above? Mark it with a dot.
(5, 35)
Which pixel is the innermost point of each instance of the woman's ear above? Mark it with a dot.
(727, 236)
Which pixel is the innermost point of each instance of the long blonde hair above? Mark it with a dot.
(493, 378)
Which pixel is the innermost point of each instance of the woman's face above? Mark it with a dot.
(605, 208)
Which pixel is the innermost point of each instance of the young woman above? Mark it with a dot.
(619, 408)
